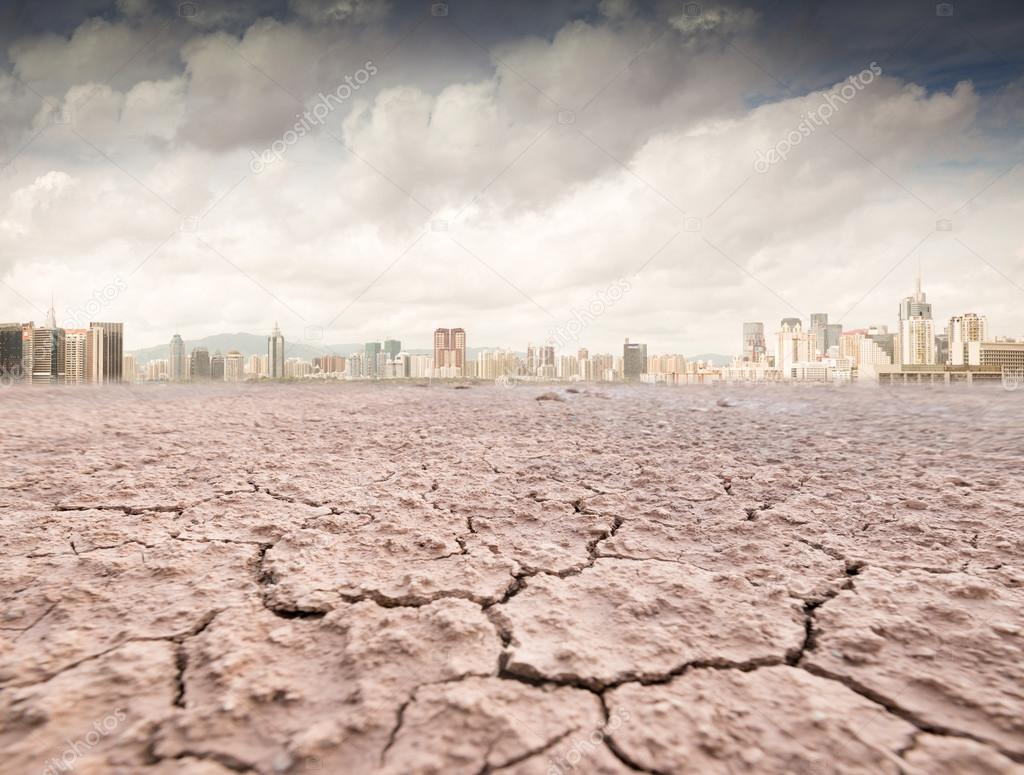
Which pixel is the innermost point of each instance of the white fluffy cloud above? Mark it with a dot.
(496, 190)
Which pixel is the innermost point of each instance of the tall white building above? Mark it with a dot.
(962, 330)
(275, 354)
(177, 363)
(256, 366)
(76, 351)
(234, 366)
(157, 370)
(793, 346)
(294, 368)
(355, 366)
(129, 368)
(421, 366)
(917, 329)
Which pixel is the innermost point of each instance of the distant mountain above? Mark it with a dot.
(716, 359)
(247, 344)
(256, 344)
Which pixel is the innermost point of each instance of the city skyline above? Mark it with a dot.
(823, 352)
(964, 349)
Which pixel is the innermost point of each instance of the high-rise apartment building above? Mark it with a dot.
(275, 354)
(199, 365)
(329, 364)
(11, 352)
(568, 367)
(449, 352)
(850, 342)
(532, 360)
(177, 363)
(76, 355)
(547, 355)
(157, 370)
(356, 366)
(962, 330)
(793, 346)
(234, 366)
(754, 346)
(217, 367)
(917, 330)
(634, 360)
(26, 350)
(129, 369)
(109, 362)
(256, 365)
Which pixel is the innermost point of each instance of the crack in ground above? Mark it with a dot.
(176, 638)
(909, 716)
(519, 759)
(400, 713)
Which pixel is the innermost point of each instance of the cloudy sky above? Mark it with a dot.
(504, 164)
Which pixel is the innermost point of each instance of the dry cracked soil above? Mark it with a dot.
(401, 579)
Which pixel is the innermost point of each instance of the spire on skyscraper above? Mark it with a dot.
(51, 315)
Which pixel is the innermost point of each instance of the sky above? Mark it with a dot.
(570, 171)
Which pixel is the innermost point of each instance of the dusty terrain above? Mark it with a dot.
(357, 579)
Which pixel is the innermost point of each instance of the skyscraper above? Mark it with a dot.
(177, 369)
(108, 366)
(217, 367)
(199, 366)
(11, 352)
(275, 354)
(754, 346)
(371, 351)
(392, 347)
(917, 330)
(962, 330)
(833, 333)
(234, 366)
(48, 352)
(129, 369)
(449, 352)
(793, 346)
(634, 360)
(76, 355)
(819, 320)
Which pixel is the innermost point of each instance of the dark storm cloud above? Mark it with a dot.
(546, 148)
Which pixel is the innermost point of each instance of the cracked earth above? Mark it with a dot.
(392, 579)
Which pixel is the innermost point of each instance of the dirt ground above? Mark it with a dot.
(399, 579)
